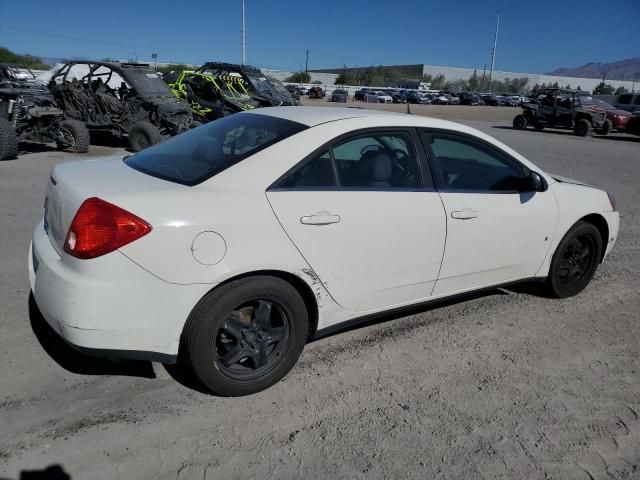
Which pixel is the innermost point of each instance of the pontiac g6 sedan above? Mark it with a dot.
(236, 242)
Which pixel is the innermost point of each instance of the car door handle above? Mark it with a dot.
(465, 214)
(320, 219)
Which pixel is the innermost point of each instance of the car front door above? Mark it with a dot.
(364, 214)
(496, 232)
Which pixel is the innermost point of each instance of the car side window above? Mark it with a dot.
(463, 164)
(624, 99)
(317, 172)
(377, 161)
(372, 161)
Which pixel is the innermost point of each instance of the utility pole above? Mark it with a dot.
(306, 66)
(493, 52)
(244, 37)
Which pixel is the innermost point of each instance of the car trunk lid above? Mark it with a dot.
(72, 183)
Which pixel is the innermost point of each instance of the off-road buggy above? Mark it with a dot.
(28, 112)
(554, 107)
(316, 92)
(211, 96)
(258, 85)
(125, 99)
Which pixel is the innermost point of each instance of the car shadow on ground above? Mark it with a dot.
(611, 136)
(52, 472)
(75, 362)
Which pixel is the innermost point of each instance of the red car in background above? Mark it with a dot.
(618, 118)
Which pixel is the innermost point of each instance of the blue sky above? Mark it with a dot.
(535, 35)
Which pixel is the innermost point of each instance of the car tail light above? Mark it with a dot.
(100, 227)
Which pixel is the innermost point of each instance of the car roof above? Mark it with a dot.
(312, 116)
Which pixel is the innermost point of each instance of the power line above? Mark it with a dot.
(68, 37)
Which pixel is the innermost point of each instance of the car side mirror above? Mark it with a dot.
(534, 182)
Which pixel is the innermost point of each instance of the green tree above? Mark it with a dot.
(437, 82)
(603, 89)
(298, 77)
(7, 56)
(474, 82)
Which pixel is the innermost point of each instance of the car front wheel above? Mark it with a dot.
(246, 335)
(575, 261)
(520, 122)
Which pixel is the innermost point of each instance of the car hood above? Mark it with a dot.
(561, 179)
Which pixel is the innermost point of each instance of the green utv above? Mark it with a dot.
(219, 89)
(211, 96)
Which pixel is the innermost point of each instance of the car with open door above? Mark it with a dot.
(238, 241)
(124, 99)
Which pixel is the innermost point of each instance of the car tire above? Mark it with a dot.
(8, 141)
(520, 122)
(606, 127)
(582, 127)
(80, 134)
(575, 261)
(228, 338)
(142, 135)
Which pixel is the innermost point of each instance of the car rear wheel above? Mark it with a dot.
(575, 261)
(520, 122)
(8, 142)
(246, 335)
(142, 135)
(582, 128)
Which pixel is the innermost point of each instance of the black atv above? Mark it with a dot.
(28, 113)
(258, 85)
(553, 107)
(125, 99)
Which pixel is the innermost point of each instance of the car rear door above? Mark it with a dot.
(495, 233)
(364, 214)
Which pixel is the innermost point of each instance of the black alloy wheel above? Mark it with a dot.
(252, 339)
(246, 335)
(575, 260)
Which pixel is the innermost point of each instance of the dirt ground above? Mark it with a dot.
(501, 385)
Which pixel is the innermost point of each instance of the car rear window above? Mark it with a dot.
(197, 155)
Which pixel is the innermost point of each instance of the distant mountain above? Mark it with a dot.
(623, 70)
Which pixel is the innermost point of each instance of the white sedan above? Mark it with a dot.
(238, 241)
(378, 97)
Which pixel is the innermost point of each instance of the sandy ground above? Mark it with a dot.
(502, 385)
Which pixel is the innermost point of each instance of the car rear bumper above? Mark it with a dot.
(111, 307)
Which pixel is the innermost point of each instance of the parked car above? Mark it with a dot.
(493, 100)
(563, 108)
(633, 125)
(316, 93)
(28, 112)
(415, 97)
(378, 97)
(132, 260)
(469, 98)
(439, 99)
(617, 117)
(628, 101)
(360, 94)
(125, 99)
(339, 96)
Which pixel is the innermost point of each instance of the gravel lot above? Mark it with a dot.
(502, 385)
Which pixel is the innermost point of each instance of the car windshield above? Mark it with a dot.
(261, 84)
(197, 155)
(147, 82)
(589, 100)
